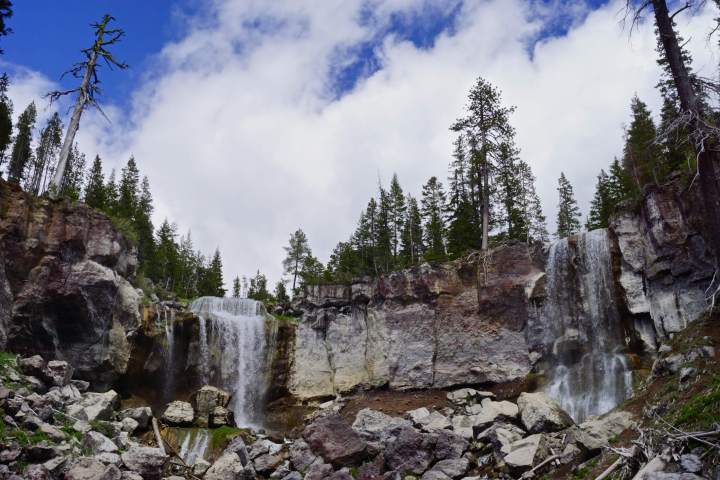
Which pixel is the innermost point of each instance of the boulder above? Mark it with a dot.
(595, 434)
(371, 423)
(32, 366)
(147, 461)
(301, 457)
(58, 372)
(95, 406)
(129, 425)
(333, 439)
(523, 454)
(463, 425)
(91, 469)
(99, 443)
(267, 463)
(452, 467)
(141, 415)
(539, 413)
(501, 435)
(206, 399)
(489, 412)
(221, 416)
(464, 396)
(229, 467)
(178, 413)
(448, 444)
(409, 450)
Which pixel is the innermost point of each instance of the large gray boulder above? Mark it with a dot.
(178, 413)
(147, 461)
(229, 467)
(206, 399)
(540, 413)
(522, 454)
(374, 424)
(410, 451)
(91, 469)
(595, 434)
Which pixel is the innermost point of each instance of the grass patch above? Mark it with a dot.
(103, 427)
(702, 410)
(24, 439)
(586, 468)
(287, 319)
(7, 359)
(220, 437)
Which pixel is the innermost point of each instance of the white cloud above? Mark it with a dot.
(244, 142)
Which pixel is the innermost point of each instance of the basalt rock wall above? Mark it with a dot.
(63, 288)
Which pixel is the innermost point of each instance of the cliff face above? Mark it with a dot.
(443, 325)
(421, 328)
(63, 292)
(665, 263)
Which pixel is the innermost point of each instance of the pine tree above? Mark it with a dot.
(74, 175)
(189, 266)
(432, 208)
(641, 155)
(568, 217)
(312, 271)
(297, 251)
(6, 110)
(128, 190)
(142, 222)
(412, 234)
(384, 233)
(95, 195)
(258, 288)
(397, 215)
(45, 155)
(215, 276)
(166, 259)
(620, 186)
(22, 149)
(344, 263)
(529, 204)
(601, 204)
(510, 192)
(236, 287)
(111, 194)
(5, 13)
(281, 293)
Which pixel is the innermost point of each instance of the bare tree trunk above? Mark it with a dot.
(56, 183)
(486, 202)
(707, 154)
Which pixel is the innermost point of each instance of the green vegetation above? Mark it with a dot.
(220, 437)
(586, 468)
(702, 410)
(7, 359)
(287, 319)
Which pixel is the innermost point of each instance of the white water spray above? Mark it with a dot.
(194, 445)
(234, 351)
(588, 374)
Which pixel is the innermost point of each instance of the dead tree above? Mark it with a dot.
(87, 91)
(704, 134)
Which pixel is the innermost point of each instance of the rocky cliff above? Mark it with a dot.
(436, 326)
(63, 288)
(427, 327)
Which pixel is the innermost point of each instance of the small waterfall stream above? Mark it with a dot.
(583, 336)
(194, 445)
(233, 352)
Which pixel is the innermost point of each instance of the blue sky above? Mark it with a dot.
(65, 29)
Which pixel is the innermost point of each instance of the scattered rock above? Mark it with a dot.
(335, 440)
(523, 454)
(99, 443)
(178, 413)
(58, 372)
(141, 415)
(539, 413)
(206, 399)
(372, 423)
(147, 461)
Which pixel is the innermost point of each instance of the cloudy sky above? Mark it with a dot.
(253, 118)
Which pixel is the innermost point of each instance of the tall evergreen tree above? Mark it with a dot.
(45, 155)
(95, 195)
(601, 204)
(280, 293)
(641, 154)
(258, 288)
(236, 287)
(111, 194)
(397, 215)
(142, 221)
(568, 217)
(510, 192)
(384, 233)
(297, 251)
(74, 175)
(6, 12)
(214, 279)
(529, 203)
(432, 208)
(6, 110)
(166, 263)
(128, 190)
(412, 234)
(22, 149)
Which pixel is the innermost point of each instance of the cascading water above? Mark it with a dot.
(234, 351)
(588, 375)
(194, 445)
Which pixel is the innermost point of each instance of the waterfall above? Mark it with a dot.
(233, 351)
(583, 336)
(194, 445)
(169, 325)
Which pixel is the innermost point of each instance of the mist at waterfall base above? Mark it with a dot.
(583, 336)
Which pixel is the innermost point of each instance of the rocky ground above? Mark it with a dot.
(52, 427)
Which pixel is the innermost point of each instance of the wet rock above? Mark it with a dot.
(200, 467)
(178, 413)
(206, 399)
(333, 439)
(221, 416)
(147, 461)
(539, 413)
